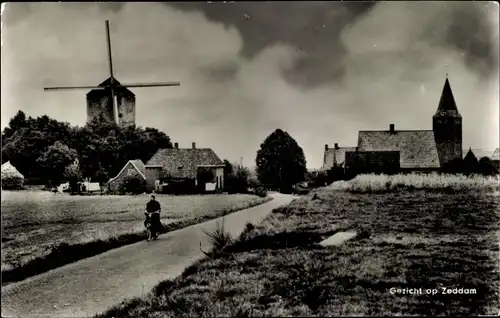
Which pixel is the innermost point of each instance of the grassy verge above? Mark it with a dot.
(406, 240)
(65, 253)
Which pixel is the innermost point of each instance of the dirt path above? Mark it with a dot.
(92, 285)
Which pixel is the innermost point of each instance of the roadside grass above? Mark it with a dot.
(406, 239)
(433, 181)
(42, 231)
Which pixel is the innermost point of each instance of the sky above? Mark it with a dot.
(321, 71)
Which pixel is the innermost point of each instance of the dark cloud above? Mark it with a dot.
(315, 27)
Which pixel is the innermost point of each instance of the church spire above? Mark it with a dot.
(447, 105)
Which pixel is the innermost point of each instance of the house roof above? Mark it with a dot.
(479, 153)
(184, 162)
(137, 164)
(496, 154)
(417, 147)
(447, 105)
(335, 156)
(9, 170)
(470, 157)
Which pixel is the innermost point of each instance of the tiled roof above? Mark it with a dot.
(479, 153)
(447, 105)
(139, 166)
(335, 156)
(417, 147)
(496, 154)
(183, 163)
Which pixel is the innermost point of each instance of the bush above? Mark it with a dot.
(383, 183)
(261, 192)
(219, 237)
(12, 182)
(134, 185)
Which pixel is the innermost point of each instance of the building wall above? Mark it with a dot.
(152, 174)
(99, 103)
(448, 137)
(219, 173)
(129, 171)
(126, 110)
(372, 162)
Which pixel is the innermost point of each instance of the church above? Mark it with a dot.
(393, 151)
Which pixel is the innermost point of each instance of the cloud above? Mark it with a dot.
(237, 87)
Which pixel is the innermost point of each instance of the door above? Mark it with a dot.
(157, 185)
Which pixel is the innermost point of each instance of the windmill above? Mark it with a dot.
(112, 85)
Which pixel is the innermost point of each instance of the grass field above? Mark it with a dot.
(408, 238)
(35, 223)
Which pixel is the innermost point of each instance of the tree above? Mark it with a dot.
(16, 123)
(73, 174)
(54, 161)
(102, 147)
(25, 140)
(455, 166)
(236, 178)
(280, 161)
(486, 167)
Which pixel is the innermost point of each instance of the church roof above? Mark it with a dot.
(184, 162)
(447, 105)
(470, 157)
(417, 147)
(335, 156)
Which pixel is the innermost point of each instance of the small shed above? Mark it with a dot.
(133, 168)
(8, 174)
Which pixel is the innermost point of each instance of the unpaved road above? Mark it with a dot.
(92, 285)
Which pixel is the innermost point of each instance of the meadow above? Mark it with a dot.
(36, 224)
(410, 236)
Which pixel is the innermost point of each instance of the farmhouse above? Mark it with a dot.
(133, 168)
(185, 170)
(335, 156)
(406, 150)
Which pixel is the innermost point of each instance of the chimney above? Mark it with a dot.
(336, 146)
(176, 145)
(391, 128)
(326, 147)
(194, 145)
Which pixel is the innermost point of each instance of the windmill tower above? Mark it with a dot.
(111, 99)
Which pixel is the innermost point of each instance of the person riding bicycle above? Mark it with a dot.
(152, 212)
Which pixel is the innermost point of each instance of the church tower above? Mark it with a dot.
(447, 127)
